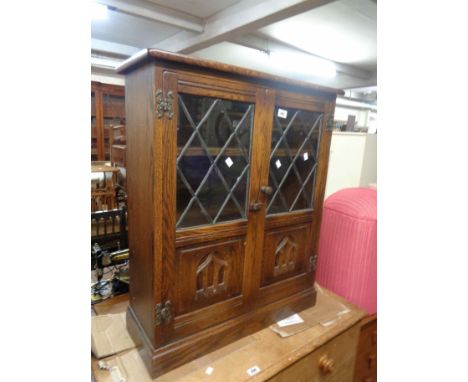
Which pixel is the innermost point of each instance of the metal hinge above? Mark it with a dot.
(312, 263)
(330, 122)
(163, 315)
(164, 104)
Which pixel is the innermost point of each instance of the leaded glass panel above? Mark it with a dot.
(213, 140)
(293, 159)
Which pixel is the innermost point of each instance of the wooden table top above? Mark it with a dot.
(265, 349)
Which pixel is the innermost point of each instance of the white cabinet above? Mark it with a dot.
(353, 161)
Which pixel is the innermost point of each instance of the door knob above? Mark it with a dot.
(266, 190)
(326, 364)
(255, 206)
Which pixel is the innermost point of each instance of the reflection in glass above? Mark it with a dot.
(114, 115)
(293, 159)
(94, 148)
(213, 140)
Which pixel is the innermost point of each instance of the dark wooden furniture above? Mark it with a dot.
(226, 176)
(107, 110)
(366, 357)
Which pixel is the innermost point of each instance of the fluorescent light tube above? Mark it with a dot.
(303, 63)
(98, 11)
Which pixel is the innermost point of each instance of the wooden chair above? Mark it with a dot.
(103, 192)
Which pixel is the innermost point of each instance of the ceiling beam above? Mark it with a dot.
(268, 44)
(113, 48)
(366, 8)
(243, 17)
(355, 104)
(150, 11)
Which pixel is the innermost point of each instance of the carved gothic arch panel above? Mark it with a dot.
(211, 276)
(285, 255)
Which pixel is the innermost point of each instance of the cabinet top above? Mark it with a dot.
(149, 54)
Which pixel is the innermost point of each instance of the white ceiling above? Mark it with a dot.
(241, 31)
(131, 30)
(199, 8)
(337, 31)
(243, 56)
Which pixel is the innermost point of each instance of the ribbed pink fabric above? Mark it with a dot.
(347, 256)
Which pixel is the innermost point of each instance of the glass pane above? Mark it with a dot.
(114, 115)
(94, 149)
(293, 159)
(213, 140)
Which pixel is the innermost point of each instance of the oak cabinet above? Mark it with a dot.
(226, 170)
(107, 111)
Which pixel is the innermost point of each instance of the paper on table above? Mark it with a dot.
(325, 313)
(291, 320)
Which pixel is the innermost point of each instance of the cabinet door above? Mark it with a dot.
(94, 127)
(208, 251)
(107, 110)
(113, 103)
(297, 170)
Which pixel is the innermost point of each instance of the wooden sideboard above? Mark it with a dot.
(331, 362)
(366, 358)
(320, 353)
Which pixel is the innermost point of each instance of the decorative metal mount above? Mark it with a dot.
(330, 122)
(164, 104)
(312, 263)
(163, 315)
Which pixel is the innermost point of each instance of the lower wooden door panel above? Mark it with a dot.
(208, 273)
(286, 265)
(209, 285)
(284, 253)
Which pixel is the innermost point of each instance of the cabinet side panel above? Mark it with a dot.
(140, 138)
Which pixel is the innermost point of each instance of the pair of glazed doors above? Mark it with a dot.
(244, 175)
